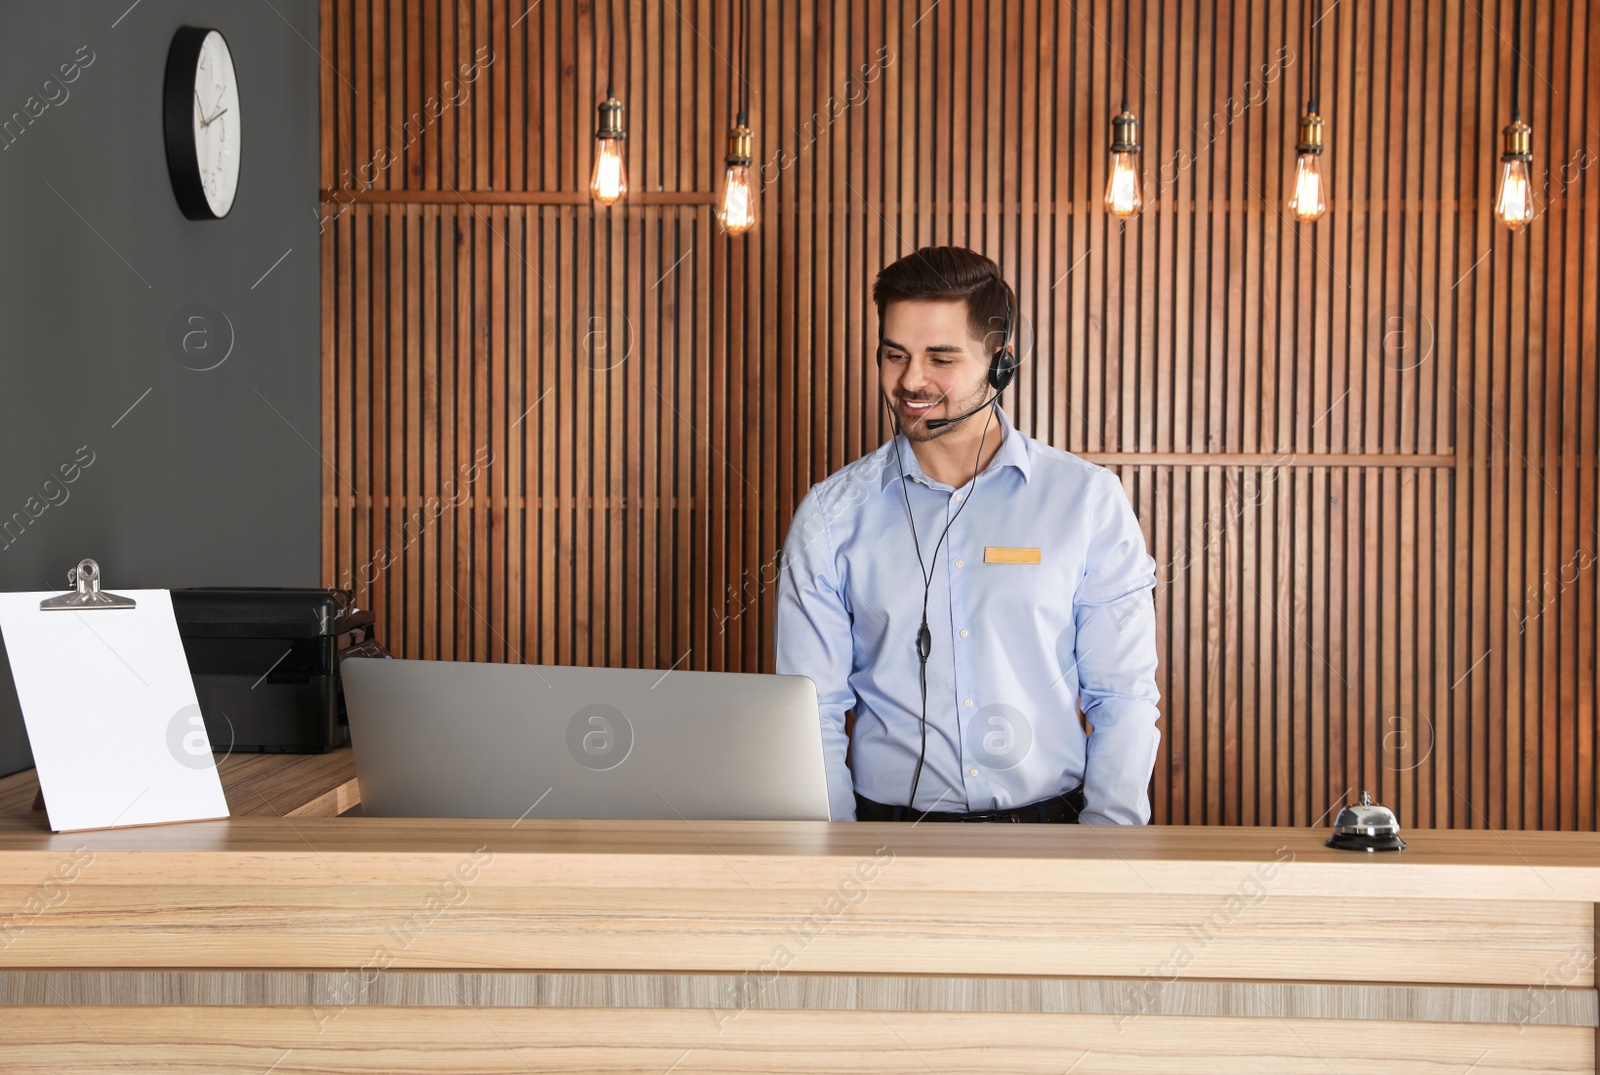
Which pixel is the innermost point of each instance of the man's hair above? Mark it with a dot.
(952, 272)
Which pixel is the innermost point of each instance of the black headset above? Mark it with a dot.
(1003, 366)
(1002, 371)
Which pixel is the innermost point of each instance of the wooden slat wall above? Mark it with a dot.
(1364, 452)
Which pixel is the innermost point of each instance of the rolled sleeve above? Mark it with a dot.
(813, 639)
(1116, 663)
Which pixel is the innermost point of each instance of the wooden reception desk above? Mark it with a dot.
(281, 941)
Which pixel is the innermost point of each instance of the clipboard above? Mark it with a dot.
(109, 706)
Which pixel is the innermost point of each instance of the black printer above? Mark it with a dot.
(265, 664)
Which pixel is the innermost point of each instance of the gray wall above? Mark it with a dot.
(213, 477)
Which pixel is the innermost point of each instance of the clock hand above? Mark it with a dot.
(213, 119)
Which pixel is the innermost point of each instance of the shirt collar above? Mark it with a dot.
(1013, 453)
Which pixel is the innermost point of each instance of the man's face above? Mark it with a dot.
(931, 367)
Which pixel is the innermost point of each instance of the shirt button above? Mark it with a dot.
(972, 772)
(958, 496)
(963, 632)
(967, 703)
(958, 563)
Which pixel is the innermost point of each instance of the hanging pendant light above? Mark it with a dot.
(737, 207)
(1124, 199)
(610, 181)
(609, 184)
(738, 212)
(1513, 202)
(1309, 201)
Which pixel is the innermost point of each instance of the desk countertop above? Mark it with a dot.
(1470, 944)
(285, 823)
(288, 849)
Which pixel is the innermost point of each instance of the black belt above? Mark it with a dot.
(1062, 809)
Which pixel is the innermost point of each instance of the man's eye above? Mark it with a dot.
(942, 362)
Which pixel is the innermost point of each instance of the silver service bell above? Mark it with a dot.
(1366, 826)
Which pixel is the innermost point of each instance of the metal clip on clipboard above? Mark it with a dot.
(88, 596)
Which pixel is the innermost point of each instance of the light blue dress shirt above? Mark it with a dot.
(1018, 649)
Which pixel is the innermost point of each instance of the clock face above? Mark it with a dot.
(216, 123)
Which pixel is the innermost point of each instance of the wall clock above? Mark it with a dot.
(200, 109)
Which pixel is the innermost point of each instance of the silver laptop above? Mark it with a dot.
(456, 739)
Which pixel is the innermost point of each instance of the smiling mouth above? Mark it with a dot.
(918, 406)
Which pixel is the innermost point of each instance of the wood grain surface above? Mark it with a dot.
(593, 944)
(1554, 1005)
(1478, 908)
(427, 1041)
(268, 785)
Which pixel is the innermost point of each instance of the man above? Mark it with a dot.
(966, 637)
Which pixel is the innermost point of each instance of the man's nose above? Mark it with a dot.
(915, 380)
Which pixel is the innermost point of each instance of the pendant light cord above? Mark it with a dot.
(1127, 17)
(1316, 57)
(1305, 52)
(1311, 11)
(1516, 59)
(744, 60)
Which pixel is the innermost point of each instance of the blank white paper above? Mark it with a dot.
(111, 713)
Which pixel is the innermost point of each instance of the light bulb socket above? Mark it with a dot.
(1518, 141)
(1125, 132)
(739, 140)
(610, 119)
(1310, 134)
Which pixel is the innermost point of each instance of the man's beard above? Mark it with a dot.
(916, 429)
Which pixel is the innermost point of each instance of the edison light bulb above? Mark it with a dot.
(738, 213)
(738, 210)
(610, 180)
(609, 183)
(1123, 197)
(1513, 204)
(1122, 189)
(1310, 200)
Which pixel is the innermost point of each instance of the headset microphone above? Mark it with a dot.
(940, 423)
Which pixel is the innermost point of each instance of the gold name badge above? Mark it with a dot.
(995, 554)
